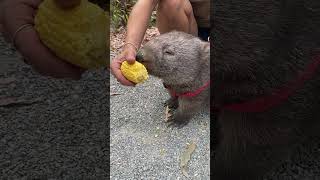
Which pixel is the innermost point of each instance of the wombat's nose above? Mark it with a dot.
(139, 56)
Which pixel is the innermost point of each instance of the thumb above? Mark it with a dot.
(131, 57)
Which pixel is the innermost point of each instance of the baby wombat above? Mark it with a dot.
(182, 61)
(266, 72)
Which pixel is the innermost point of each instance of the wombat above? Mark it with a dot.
(266, 83)
(182, 61)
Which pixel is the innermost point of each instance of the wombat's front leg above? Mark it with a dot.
(172, 103)
(185, 111)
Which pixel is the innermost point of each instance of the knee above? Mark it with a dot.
(175, 6)
(170, 4)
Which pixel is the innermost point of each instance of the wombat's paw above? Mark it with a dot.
(177, 124)
(177, 121)
(172, 103)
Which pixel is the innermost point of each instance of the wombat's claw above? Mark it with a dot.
(176, 121)
(170, 115)
(177, 124)
(171, 103)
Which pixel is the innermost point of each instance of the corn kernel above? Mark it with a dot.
(136, 72)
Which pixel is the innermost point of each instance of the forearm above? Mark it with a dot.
(138, 21)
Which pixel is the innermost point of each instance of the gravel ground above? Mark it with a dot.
(63, 134)
(142, 146)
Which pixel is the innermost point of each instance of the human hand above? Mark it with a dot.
(16, 13)
(128, 54)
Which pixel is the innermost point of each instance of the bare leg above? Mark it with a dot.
(176, 15)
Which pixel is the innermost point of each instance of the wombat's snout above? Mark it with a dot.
(139, 56)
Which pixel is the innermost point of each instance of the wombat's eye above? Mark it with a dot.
(169, 52)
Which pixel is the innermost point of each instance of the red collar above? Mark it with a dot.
(188, 94)
(278, 96)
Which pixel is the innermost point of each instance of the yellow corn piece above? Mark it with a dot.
(136, 72)
(77, 35)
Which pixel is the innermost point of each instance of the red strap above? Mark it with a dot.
(278, 96)
(194, 93)
(188, 94)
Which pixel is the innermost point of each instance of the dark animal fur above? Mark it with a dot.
(259, 46)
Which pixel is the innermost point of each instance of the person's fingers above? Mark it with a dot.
(21, 12)
(42, 59)
(15, 14)
(120, 57)
(130, 55)
(116, 64)
(115, 70)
